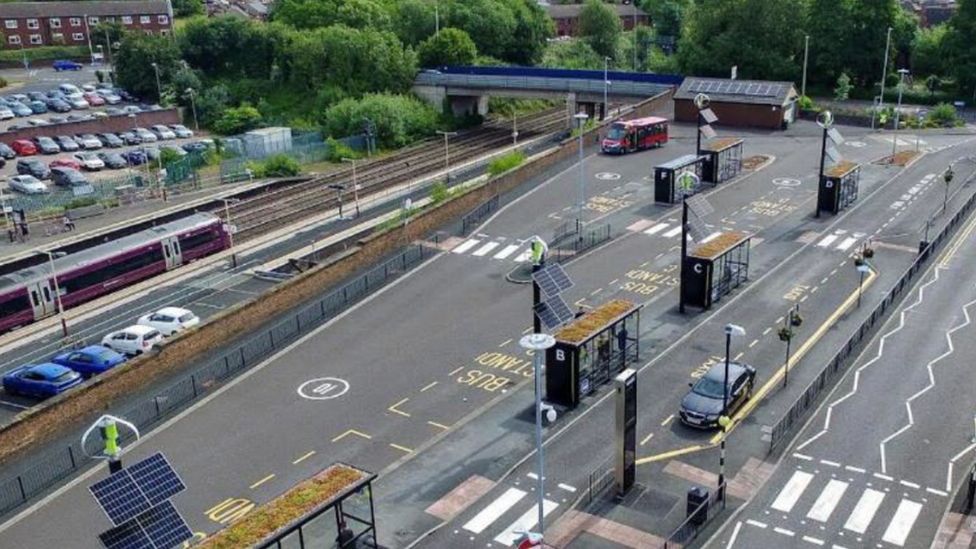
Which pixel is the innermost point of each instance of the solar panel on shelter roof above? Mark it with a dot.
(708, 131)
(164, 526)
(709, 116)
(127, 536)
(552, 280)
(699, 205)
(156, 478)
(119, 497)
(835, 136)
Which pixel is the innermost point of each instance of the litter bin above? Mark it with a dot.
(697, 508)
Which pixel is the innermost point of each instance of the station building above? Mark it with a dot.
(739, 103)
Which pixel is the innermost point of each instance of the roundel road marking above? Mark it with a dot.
(608, 176)
(323, 388)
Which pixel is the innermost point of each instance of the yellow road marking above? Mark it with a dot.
(456, 370)
(506, 342)
(671, 454)
(667, 420)
(960, 238)
(262, 481)
(648, 437)
(438, 425)
(303, 458)
(229, 510)
(428, 386)
(351, 432)
(402, 448)
(396, 411)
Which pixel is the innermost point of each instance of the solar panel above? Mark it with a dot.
(835, 136)
(164, 526)
(552, 280)
(699, 206)
(554, 312)
(128, 536)
(119, 497)
(833, 153)
(697, 228)
(751, 89)
(708, 131)
(725, 87)
(709, 116)
(156, 478)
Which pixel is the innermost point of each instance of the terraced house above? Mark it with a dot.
(33, 24)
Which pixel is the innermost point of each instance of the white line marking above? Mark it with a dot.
(827, 240)
(756, 523)
(506, 251)
(524, 256)
(486, 248)
(735, 534)
(812, 540)
(864, 511)
(673, 232)
(465, 246)
(656, 228)
(790, 493)
(854, 469)
(828, 500)
(830, 463)
(901, 524)
(884, 477)
(494, 510)
(525, 523)
(847, 243)
(784, 531)
(937, 492)
(909, 484)
(566, 487)
(804, 457)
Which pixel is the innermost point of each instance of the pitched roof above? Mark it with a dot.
(569, 11)
(20, 10)
(725, 90)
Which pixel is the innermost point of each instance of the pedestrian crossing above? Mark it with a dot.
(850, 506)
(840, 240)
(506, 518)
(494, 248)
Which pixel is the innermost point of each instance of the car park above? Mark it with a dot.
(163, 132)
(46, 145)
(40, 380)
(133, 340)
(130, 138)
(6, 152)
(110, 140)
(113, 160)
(57, 105)
(21, 109)
(146, 135)
(94, 99)
(37, 107)
(6, 113)
(88, 141)
(91, 360)
(33, 166)
(68, 177)
(68, 89)
(181, 131)
(77, 102)
(170, 320)
(23, 147)
(702, 406)
(67, 143)
(27, 184)
(64, 163)
(109, 96)
(89, 161)
(66, 65)
(134, 157)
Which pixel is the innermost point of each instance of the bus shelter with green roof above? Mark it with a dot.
(838, 186)
(669, 186)
(714, 268)
(722, 159)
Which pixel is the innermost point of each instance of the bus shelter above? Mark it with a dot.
(722, 159)
(838, 186)
(669, 186)
(591, 350)
(715, 268)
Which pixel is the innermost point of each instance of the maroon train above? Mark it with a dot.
(28, 295)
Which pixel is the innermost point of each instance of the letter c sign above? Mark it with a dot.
(698, 268)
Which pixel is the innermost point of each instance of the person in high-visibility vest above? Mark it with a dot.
(539, 250)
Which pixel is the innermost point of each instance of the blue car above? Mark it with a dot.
(134, 157)
(90, 361)
(65, 65)
(41, 380)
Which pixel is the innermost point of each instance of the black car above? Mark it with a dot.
(110, 140)
(46, 145)
(57, 105)
(33, 166)
(68, 177)
(113, 160)
(195, 146)
(67, 143)
(6, 152)
(130, 138)
(702, 406)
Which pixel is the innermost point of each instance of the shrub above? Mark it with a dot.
(505, 162)
(81, 202)
(806, 104)
(843, 89)
(439, 193)
(279, 165)
(398, 119)
(337, 150)
(943, 115)
(3, 82)
(236, 120)
(44, 53)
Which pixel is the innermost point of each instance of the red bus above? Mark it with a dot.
(634, 135)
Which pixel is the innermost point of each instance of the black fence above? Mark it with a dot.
(696, 519)
(570, 245)
(599, 480)
(473, 219)
(56, 464)
(848, 353)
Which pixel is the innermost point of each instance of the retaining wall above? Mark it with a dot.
(113, 124)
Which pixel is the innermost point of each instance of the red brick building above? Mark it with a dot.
(566, 16)
(33, 24)
(743, 103)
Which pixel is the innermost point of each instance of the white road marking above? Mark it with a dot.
(827, 240)
(804, 457)
(525, 523)
(656, 228)
(909, 484)
(506, 251)
(735, 534)
(813, 540)
(465, 246)
(847, 243)
(673, 232)
(756, 523)
(937, 492)
(830, 463)
(711, 237)
(524, 256)
(784, 531)
(790, 493)
(566, 487)
(494, 510)
(864, 511)
(486, 248)
(854, 469)
(901, 524)
(828, 500)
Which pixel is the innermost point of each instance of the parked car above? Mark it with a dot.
(67, 143)
(64, 163)
(63, 176)
(113, 160)
(195, 146)
(6, 113)
(175, 148)
(90, 87)
(23, 147)
(181, 131)
(170, 320)
(66, 65)
(109, 96)
(6, 152)
(20, 97)
(100, 115)
(37, 107)
(57, 104)
(36, 96)
(33, 166)
(56, 120)
(110, 140)
(131, 109)
(75, 117)
(94, 99)
(89, 161)
(146, 135)
(21, 109)
(77, 102)
(163, 132)
(46, 145)
(27, 184)
(40, 380)
(152, 152)
(112, 111)
(68, 89)
(88, 141)
(133, 340)
(702, 406)
(134, 157)
(55, 94)
(91, 360)
(38, 122)
(130, 138)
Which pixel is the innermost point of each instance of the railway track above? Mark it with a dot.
(286, 205)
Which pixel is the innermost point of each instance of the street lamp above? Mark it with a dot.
(159, 87)
(825, 120)
(901, 87)
(193, 106)
(447, 155)
(862, 269)
(581, 118)
(724, 421)
(537, 345)
(57, 289)
(230, 228)
(806, 54)
(606, 86)
(355, 185)
(23, 52)
(884, 68)
(514, 127)
(791, 320)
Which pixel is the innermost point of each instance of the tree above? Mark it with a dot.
(960, 50)
(868, 24)
(184, 78)
(398, 119)
(187, 8)
(211, 103)
(237, 120)
(843, 89)
(415, 21)
(571, 54)
(311, 14)
(666, 16)
(928, 56)
(134, 59)
(511, 30)
(448, 47)
(230, 46)
(830, 38)
(113, 30)
(600, 27)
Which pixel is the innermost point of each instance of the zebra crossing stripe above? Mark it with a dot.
(524, 256)
(656, 228)
(465, 246)
(525, 523)
(494, 510)
(847, 243)
(790, 493)
(827, 501)
(901, 524)
(864, 511)
(673, 232)
(827, 240)
(486, 248)
(506, 251)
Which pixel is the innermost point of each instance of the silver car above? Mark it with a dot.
(27, 184)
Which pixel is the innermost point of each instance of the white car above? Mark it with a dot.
(89, 161)
(6, 113)
(133, 340)
(77, 102)
(89, 141)
(38, 122)
(88, 87)
(68, 89)
(170, 320)
(163, 132)
(27, 184)
(180, 130)
(146, 135)
(109, 96)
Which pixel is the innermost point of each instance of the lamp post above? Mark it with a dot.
(947, 176)
(23, 52)
(437, 18)
(724, 421)
(901, 87)
(884, 67)
(825, 120)
(159, 87)
(57, 289)
(806, 54)
(606, 87)
(193, 106)
(230, 228)
(790, 321)
(355, 185)
(447, 154)
(537, 345)
(514, 128)
(862, 269)
(702, 102)
(581, 191)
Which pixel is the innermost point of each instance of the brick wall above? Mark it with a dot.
(114, 124)
(733, 114)
(73, 410)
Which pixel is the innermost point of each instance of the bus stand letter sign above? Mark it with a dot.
(625, 451)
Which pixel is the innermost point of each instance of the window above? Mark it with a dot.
(55, 22)
(77, 37)
(163, 19)
(113, 270)
(36, 39)
(145, 19)
(33, 24)
(75, 21)
(188, 243)
(163, 32)
(92, 20)
(57, 37)
(127, 19)
(13, 39)
(10, 23)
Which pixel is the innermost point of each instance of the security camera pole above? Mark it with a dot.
(687, 180)
(724, 421)
(701, 101)
(825, 120)
(539, 252)
(537, 343)
(108, 430)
